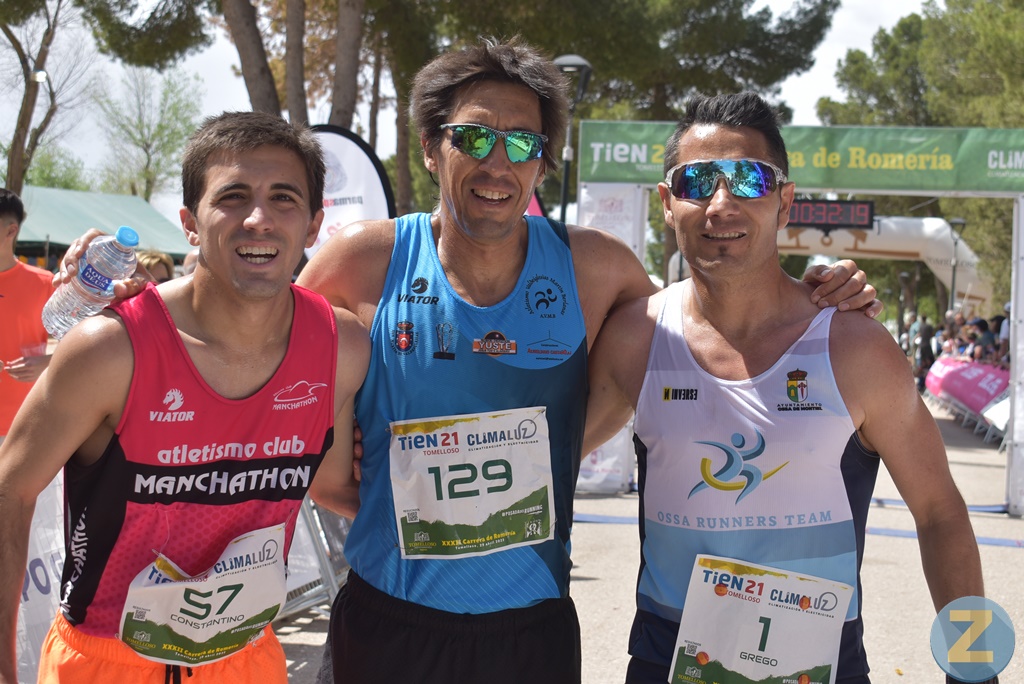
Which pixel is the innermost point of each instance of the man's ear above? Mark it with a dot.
(788, 194)
(428, 154)
(9, 230)
(188, 224)
(314, 228)
(666, 202)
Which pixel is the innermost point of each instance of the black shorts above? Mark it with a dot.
(375, 637)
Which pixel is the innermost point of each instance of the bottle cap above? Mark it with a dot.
(127, 237)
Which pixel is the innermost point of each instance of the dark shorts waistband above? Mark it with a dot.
(364, 596)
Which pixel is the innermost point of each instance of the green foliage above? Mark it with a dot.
(424, 190)
(170, 30)
(56, 167)
(794, 264)
(147, 127)
(887, 88)
(17, 12)
(971, 58)
(651, 54)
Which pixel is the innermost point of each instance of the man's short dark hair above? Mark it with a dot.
(437, 84)
(242, 132)
(11, 205)
(740, 110)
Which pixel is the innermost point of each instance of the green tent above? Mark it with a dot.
(56, 217)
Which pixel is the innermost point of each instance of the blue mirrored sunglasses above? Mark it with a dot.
(477, 141)
(746, 178)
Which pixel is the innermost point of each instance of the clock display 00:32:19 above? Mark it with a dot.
(823, 213)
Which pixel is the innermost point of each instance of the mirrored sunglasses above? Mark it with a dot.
(477, 141)
(745, 178)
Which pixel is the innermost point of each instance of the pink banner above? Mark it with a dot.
(974, 385)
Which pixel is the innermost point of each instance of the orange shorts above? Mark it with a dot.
(68, 655)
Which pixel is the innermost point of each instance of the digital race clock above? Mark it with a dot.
(827, 214)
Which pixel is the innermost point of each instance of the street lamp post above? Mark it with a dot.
(571, 64)
(904, 279)
(956, 227)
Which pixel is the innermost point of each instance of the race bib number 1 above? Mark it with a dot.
(172, 618)
(472, 484)
(745, 623)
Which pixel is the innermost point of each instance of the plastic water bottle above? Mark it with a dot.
(109, 259)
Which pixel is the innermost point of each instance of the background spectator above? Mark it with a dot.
(24, 290)
(159, 265)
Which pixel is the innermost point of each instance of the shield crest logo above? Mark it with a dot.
(796, 386)
(404, 337)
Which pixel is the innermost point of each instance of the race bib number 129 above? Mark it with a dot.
(472, 484)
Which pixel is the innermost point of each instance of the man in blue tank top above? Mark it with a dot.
(760, 421)
(472, 411)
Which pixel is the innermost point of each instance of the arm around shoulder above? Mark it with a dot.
(334, 486)
(350, 268)
(608, 274)
(616, 367)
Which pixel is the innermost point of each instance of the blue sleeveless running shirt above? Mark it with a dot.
(808, 479)
(434, 354)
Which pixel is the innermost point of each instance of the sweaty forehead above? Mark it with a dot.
(714, 141)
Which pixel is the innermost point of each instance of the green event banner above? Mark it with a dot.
(976, 161)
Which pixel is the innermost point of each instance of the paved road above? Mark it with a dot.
(897, 609)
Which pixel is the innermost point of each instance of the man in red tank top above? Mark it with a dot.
(182, 492)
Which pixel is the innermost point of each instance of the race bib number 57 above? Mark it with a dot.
(472, 484)
(175, 619)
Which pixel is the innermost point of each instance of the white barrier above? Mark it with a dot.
(609, 468)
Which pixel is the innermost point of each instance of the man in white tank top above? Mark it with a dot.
(758, 422)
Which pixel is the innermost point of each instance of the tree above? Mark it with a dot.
(31, 29)
(147, 128)
(169, 30)
(889, 88)
(56, 167)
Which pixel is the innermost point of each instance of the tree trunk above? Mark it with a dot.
(23, 146)
(378, 68)
(240, 17)
(294, 61)
(403, 179)
(346, 62)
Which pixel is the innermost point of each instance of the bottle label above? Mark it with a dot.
(93, 279)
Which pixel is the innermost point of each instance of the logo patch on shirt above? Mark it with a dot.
(796, 385)
(738, 473)
(419, 286)
(545, 297)
(494, 343)
(549, 349)
(302, 393)
(173, 400)
(679, 394)
(797, 390)
(446, 336)
(403, 338)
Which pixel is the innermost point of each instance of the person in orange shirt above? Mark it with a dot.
(24, 290)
